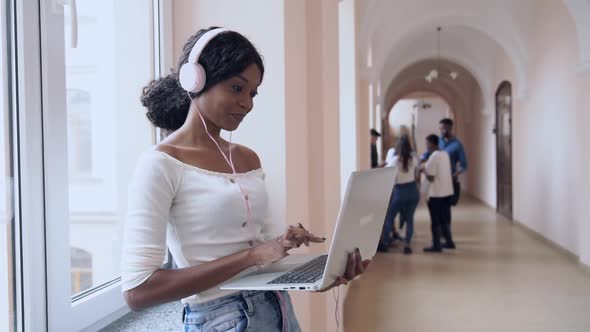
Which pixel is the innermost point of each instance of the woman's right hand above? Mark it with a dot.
(271, 251)
(274, 250)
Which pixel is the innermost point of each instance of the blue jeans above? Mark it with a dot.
(404, 200)
(243, 311)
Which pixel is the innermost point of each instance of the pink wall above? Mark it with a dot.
(312, 136)
(297, 109)
(363, 144)
(546, 157)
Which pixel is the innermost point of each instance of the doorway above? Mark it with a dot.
(504, 149)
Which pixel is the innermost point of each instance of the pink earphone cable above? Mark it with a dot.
(336, 296)
(249, 225)
(230, 162)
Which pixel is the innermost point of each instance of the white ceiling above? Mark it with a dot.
(401, 33)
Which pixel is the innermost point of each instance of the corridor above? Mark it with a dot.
(501, 278)
(81, 83)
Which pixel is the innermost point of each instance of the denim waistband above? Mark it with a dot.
(405, 185)
(242, 300)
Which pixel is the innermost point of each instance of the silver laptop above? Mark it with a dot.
(359, 225)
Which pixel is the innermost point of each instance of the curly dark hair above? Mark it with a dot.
(225, 56)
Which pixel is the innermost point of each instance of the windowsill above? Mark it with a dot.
(165, 317)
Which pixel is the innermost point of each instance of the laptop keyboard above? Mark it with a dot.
(307, 273)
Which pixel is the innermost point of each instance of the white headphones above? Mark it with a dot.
(192, 76)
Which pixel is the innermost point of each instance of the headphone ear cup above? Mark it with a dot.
(201, 78)
(192, 77)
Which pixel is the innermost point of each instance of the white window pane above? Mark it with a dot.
(106, 129)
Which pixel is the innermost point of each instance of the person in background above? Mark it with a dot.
(405, 195)
(389, 157)
(374, 155)
(451, 144)
(438, 172)
(454, 148)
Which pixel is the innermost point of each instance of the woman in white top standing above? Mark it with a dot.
(204, 198)
(405, 194)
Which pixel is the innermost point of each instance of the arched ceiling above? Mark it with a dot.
(476, 58)
(458, 93)
(398, 33)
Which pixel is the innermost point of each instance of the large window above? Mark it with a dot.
(71, 131)
(106, 128)
(99, 55)
(7, 268)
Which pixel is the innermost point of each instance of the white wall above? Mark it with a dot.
(584, 120)
(548, 181)
(427, 120)
(480, 144)
(401, 114)
(348, 98)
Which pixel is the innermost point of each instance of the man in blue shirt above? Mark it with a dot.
(456, 152)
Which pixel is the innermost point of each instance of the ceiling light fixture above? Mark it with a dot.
(434, 73)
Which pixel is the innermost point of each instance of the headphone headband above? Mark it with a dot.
(202, 42)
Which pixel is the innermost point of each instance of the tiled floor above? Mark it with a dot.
(501, 278)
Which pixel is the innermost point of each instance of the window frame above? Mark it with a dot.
(6, 75)
(43, 282)
(31, 306)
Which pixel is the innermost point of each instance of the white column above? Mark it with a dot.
(348, 93)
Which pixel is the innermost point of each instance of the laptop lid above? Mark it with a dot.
(360, 220)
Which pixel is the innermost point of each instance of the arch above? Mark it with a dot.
(503, 37)
(377, 31)
(503, 85)
(451, 96)
(424, 124)
(459, 61)
(403, 93)
(450, 93)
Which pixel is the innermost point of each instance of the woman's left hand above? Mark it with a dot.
(355, 267)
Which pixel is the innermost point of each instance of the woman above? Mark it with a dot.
(204, 198)
(405, 194)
